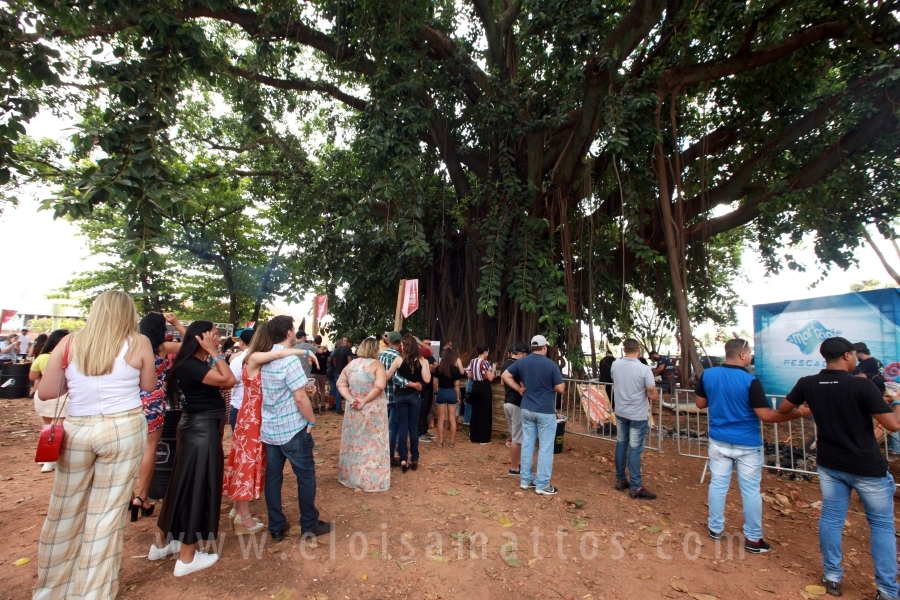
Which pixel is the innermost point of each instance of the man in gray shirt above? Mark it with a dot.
(634, 387)
(310, 359)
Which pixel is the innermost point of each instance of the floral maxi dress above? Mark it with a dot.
(365, 461)
(245, 472)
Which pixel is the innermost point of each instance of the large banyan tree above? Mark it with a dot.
(532, 163)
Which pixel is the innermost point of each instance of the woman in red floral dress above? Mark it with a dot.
(245, 471)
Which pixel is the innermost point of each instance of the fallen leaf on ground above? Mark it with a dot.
(815, 590)
(679, 586)
(283, 594)
(512, 562)
(22, 561)
(453, 492)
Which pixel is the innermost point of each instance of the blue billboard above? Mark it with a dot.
(787, 334)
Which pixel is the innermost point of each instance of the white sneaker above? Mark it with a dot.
(201, 561)
(48, 467)
(173, 547)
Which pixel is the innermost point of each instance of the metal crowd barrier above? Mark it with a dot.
(578, 421)
(792, 443)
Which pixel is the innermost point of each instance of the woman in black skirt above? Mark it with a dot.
(481, 374)
(190, 510)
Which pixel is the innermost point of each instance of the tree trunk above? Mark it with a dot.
(887, 267)
(264, 286)
(689, 356)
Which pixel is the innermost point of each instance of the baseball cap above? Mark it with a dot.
(247, 336)
(518, 347)
(394, 336)
(538, 341)
(861, 347)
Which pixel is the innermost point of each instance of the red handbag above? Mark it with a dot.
(52, 435)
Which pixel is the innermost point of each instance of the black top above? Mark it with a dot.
(414, 376)
(842, 405)
(342, 356)
(322, 357)
(195, 395)
(605, 365)
(448, 383)
(873, 370)
(512, 396)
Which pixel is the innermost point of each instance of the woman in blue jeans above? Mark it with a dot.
(407, 400)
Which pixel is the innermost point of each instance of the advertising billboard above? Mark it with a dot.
(787, 335)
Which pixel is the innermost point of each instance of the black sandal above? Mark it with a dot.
(414, 466)
(145, 512)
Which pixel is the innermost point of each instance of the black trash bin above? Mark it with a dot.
(560, 433)
(165, 456)
(14, 382)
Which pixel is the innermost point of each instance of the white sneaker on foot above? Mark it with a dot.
(48, 467)
(173, 547)
(201, 561)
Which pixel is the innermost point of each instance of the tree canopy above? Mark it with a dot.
(530, 161)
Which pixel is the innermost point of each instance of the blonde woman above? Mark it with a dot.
(80, 548)
(365, 459)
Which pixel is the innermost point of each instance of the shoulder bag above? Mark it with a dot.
(52, 435)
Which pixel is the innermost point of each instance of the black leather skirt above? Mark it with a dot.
(193, 499)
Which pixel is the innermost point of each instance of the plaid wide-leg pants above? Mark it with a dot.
(80, 549)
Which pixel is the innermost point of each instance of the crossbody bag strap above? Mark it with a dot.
(65, 365)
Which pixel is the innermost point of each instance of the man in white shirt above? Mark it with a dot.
(237, 367)
(24, 344)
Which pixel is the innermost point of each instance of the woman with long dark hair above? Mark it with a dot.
(190, 510)
(448, 372)
(46, 410)
(153, 325)
(481, 374)
(37, 347)
(413, 368)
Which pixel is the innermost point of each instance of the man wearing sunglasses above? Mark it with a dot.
(736, 403)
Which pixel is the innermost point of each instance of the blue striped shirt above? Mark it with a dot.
(281, 419)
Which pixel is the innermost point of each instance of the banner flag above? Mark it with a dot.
(410, 297)
(321, 306)
(7, 315)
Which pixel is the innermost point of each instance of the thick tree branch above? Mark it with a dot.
(623, 39)
(491, 31)
(444, 48)
(509, 17)
(684, 76)
(887, 266)
(808, 176)
(300, 85)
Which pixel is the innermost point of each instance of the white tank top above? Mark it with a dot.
(104, 394)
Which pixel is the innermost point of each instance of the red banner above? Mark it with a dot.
(250, 325)
(321, 306)
(410, 298)
(7, 315)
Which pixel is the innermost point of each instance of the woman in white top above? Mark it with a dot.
(80, 548)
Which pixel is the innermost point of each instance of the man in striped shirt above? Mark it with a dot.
(387, 359)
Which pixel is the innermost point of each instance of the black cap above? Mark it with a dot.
(519, 347)
(861, 347)
(247, 336)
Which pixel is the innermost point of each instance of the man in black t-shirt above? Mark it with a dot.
(849, 458)
(341, 356)
(606, 376)
(512, 406)
(868, 366)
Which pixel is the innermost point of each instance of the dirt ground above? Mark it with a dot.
(405, 543)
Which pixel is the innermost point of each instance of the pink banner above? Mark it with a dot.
(7, 315)
(410, 298)
(321, 306)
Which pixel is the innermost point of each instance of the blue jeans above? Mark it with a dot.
(299, 451)
(723, 457)
(541, 428)
(232, 417)
(467, 413)
(407, 409)
(877, 496)
(629, 448)
(393, 427)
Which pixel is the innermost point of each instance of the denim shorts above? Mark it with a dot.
(447, 396)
